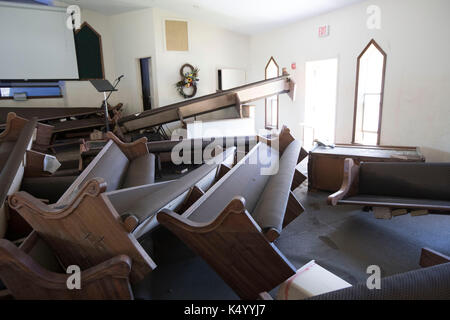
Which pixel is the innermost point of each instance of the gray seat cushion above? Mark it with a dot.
(271, 207)
(423, 284)
(407, 180)
(141, 171)
(246, 180)
(156, 200)
(6, 148)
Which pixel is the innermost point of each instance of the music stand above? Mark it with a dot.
(104, 86)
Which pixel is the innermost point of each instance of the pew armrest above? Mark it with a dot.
(13, 127)
(349, 183)
(132, 150)
(280, 141)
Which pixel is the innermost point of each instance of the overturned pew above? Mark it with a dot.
(233, 225)
(232, 98)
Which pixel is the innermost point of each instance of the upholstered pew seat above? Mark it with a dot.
(395, 185)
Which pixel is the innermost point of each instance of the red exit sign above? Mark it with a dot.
(324, 31)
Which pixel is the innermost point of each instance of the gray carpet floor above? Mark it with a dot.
(344, 239)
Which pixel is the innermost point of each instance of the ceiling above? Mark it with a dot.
(244, 16)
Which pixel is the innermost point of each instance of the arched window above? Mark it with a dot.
(272, 103)
(370, 77)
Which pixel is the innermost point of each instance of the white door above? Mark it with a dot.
(320, 101)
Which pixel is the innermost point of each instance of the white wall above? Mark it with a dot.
(415, 37)
(140, 34)
(211, 48)
(133, 35)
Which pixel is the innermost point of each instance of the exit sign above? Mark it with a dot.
(324, 31)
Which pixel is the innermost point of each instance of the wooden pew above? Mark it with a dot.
(15, 140)
(432, 282)
(32, 272)
(233, 224)
(406, 185)
(92, 222)
(232, 98)
(117, 165)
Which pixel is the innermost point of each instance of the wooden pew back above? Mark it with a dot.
(30, 279)
(110, 164)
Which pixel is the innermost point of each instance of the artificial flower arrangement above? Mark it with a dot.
(189, 81)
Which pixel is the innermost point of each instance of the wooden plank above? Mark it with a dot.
(298, 179)
(223, 170)
(430, 258)
(303, 155)
(293, 210)
(195, 194)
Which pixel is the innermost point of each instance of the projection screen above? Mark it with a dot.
(35, 43)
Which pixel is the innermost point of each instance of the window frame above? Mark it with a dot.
(380, 118)
(25, 84)
(271, 127)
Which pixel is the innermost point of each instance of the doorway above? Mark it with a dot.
(320, 101)
(146, 76)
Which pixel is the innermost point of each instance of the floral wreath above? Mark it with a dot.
(189, 81)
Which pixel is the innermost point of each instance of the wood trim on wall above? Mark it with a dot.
(266, 126)
(381, 93)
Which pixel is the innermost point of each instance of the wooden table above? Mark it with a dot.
(326, 165)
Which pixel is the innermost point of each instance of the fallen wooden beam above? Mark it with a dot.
(209, 103)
